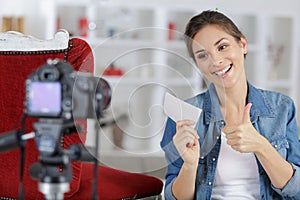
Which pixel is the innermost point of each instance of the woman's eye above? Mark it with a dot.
(202, 55)
(222, 47)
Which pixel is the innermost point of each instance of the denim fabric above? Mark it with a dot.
(273, 116)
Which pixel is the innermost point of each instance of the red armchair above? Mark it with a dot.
(17, 62)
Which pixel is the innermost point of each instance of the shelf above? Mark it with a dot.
(114, 80)
(110, 42)
(172, 44)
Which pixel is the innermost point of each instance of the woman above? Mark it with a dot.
(245, 144)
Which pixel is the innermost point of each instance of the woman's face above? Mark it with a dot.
(219, 56)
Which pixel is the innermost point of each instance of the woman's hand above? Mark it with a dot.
(186, 142)
(244, 137)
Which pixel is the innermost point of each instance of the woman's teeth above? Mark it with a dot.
(223, 71)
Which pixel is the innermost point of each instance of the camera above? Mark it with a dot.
(56, 90)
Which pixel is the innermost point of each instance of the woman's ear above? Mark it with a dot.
(243, 43)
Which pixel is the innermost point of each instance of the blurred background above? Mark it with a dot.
(138, 47)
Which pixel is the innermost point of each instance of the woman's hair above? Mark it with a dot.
(205, 18)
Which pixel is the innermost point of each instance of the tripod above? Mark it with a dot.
(54, 171)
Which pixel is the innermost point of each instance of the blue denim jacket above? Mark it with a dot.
(273, 116)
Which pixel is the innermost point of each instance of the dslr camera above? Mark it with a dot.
(55, 90)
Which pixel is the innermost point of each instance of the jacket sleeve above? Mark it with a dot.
(172, 157)
(292, 188)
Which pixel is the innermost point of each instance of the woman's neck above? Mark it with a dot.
(234, 98)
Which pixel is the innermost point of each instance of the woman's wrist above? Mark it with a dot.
(190, 166)
(263, 146)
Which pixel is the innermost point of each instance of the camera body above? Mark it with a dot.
(56, 90)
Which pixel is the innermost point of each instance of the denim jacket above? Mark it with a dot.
(273, 116)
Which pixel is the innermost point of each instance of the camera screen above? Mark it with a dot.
(44, 98)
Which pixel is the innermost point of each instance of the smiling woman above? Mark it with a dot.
(218, 54)
(239, 130)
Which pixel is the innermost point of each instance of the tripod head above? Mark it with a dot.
(54, 170)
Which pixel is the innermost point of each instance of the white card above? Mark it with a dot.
(177, 109)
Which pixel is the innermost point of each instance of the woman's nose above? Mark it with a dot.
(216, 59)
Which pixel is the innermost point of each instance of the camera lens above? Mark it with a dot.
(105, 92)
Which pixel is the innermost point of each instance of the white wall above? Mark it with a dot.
(37, 10)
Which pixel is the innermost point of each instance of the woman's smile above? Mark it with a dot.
(222, 73)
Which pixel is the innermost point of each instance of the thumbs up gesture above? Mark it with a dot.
(244, 137)
(246, 116)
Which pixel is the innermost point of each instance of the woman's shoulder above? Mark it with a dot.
(275, 98)
(196, 100)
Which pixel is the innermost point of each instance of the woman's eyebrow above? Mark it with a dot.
(199, 51)
(218, 42)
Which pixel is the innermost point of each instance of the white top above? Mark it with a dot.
(236, 175)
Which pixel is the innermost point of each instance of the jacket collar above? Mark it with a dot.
(260, 106)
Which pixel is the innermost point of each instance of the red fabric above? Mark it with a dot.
(14, 70)
(116, 184)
